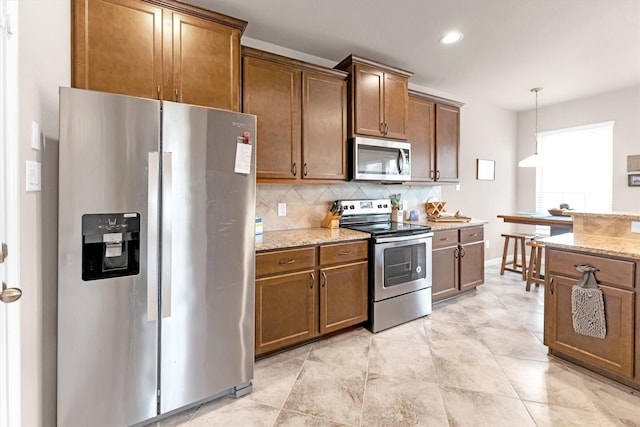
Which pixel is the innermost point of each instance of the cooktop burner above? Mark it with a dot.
(373, 216)
(387, 228)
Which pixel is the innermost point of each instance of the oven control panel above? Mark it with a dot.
(364, 207)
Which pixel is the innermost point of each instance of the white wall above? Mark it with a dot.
(622, 106)
(44, 65)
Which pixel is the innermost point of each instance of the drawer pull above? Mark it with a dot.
(444, 239)
(283, 262)
(345, 253)
(473, 235)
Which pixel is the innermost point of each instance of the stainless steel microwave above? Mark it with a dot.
(380, 160)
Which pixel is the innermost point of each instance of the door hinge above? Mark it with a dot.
(3, 252)
(5, 24)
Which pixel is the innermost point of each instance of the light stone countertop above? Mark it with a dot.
(633, 216)
(603, 245)
(281, 239)
(435, 226)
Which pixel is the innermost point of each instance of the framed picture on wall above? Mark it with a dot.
(486, 170)
(634, 180)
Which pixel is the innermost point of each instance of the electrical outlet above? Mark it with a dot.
(486, 244)
(635, 226)
(282, 209)
(457, 187)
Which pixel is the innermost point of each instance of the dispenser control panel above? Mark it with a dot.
(110, 245)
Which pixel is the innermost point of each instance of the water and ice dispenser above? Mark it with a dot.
(110, 245)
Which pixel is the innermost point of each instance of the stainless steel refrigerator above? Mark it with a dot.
(156, 257)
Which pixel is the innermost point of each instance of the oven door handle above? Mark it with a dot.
(404, 238)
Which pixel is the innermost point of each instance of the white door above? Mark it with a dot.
(9, 293)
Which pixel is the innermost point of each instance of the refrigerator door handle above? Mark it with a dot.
(167, 210)
(152, 236)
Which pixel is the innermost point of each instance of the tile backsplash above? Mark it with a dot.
(308, 204)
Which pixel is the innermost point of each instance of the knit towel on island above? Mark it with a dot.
(587, 305)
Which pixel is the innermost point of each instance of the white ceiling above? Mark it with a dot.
(572, 48)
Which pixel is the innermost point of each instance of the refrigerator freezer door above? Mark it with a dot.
(208, 338)
(107, 348)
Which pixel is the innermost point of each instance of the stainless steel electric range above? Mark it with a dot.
(399, 262)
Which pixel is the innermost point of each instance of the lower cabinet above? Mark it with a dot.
(457, 261)
(615, 353)
(307, 292)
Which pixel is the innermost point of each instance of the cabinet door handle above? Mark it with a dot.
(177, 95)
(437, 175)
(456, 252)
(324, 279)
(158, 92)
(551, 287)
(294, 169)
(382, 128)
(345, 253)
(304, 168)
(462, 252)
(432, 174)
(283, 262)
(313, 280)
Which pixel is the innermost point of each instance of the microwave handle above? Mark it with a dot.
(402, 160)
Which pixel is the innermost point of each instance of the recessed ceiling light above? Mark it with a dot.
(451, 37)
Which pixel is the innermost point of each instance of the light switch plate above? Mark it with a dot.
(282, 209)
(36, 136)
(33, 176)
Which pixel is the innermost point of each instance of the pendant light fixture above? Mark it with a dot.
(533, 160)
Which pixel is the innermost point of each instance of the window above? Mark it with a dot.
(577, 168)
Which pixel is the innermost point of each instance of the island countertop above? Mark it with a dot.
(280, 239)
(604, 245)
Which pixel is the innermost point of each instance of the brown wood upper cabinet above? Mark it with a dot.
(158, 49)
(434, 134)
(302, 118)
(378, 98)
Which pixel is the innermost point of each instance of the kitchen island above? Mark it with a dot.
(610, 243)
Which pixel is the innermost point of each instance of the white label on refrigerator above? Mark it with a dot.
(243, 158)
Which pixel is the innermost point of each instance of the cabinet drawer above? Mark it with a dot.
(343, 252)
(445, 238)
(612, 271)
(471, 234)
(283, 261)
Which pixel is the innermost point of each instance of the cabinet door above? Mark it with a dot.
(343, 296)
(324, 129)
(447, 142)
(471, 265)
(614, 353)
(369, 100)
(205, 63)
(125, 58)
(421, 135)
(444, 270)
(272, 92)
(396, 106)
(285, 310)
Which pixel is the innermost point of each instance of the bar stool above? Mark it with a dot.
(535, 274)
(518, 240)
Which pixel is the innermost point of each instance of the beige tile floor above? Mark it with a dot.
(477, 360)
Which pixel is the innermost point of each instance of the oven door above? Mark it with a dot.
(402, 265)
